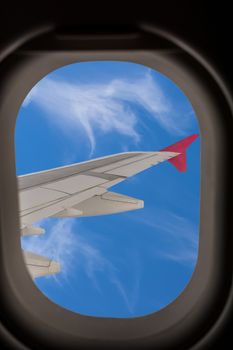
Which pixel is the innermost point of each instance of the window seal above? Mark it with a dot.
(28, 312)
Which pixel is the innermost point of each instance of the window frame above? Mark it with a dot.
(28, 313)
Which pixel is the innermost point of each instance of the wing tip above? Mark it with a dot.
(181, 146)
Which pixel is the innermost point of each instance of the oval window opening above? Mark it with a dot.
(108, 166)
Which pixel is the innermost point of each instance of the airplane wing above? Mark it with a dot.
(82, 190)
(40, 266)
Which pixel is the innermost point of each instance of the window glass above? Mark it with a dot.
(123, 264)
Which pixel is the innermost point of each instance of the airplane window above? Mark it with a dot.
(108, 166)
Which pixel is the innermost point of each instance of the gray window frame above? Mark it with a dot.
(26, 311)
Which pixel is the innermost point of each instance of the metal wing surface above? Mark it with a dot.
(81, 189)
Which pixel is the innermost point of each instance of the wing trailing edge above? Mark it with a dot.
(107, 203)
(38, 265)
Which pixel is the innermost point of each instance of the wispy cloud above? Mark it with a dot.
(58, 243)
(62, 242)
(179, 233)
(106, 107)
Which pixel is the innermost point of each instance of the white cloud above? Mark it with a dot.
(180, 234)
(106, 107)
(58, 243)
(64, 244)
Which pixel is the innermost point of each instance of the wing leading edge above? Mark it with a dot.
(82, 189)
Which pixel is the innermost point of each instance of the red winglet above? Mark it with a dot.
(179, 161)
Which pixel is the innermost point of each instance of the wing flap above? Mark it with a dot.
(50, 209)
(37, 196)
(39, 265)
(107, 203)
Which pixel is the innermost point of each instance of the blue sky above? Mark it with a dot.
(122, 265)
